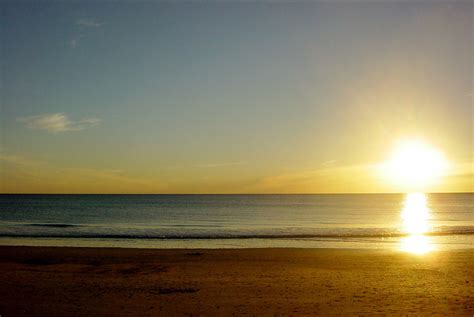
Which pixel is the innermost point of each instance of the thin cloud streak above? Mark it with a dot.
(21, 174)
(213, 165)
(89, 23)
(84, 24)
(76, 41)
(57, 122)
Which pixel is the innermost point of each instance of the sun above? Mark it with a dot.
(415, 164)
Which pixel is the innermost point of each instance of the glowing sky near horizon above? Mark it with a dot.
(163, 97)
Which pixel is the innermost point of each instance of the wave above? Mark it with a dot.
(224, 235)
(52, 225)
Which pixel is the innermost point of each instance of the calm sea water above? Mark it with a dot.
(355, 220)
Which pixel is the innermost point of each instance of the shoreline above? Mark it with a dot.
(439, 242)
(74, 281)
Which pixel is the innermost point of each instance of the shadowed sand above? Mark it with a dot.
(41, 281)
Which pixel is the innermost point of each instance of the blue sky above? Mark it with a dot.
(223, 97)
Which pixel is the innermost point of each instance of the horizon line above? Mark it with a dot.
(248, 194)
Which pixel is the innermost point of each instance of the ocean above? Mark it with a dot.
(443, 221)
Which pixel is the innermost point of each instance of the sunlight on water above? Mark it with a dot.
(415, 216)
(417, 244)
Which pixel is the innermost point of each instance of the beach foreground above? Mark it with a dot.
(49, 281)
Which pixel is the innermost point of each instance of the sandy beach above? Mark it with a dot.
(40, 281)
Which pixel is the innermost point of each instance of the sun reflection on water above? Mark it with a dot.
(416, 215)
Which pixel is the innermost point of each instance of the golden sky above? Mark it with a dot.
(232, 98)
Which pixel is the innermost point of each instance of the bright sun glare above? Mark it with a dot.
(416, 216)
(415, 164)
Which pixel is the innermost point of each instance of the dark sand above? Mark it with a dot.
(40, 281)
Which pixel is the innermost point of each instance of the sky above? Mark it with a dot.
(231, 97)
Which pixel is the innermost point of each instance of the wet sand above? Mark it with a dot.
(47, 281)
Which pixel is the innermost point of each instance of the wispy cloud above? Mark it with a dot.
(90, 23)
(76, 40)
(20, 174)
(224, 164)
(57, 122)
(17, 159)
(329, 163)
(83, 24)
(328, 179)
